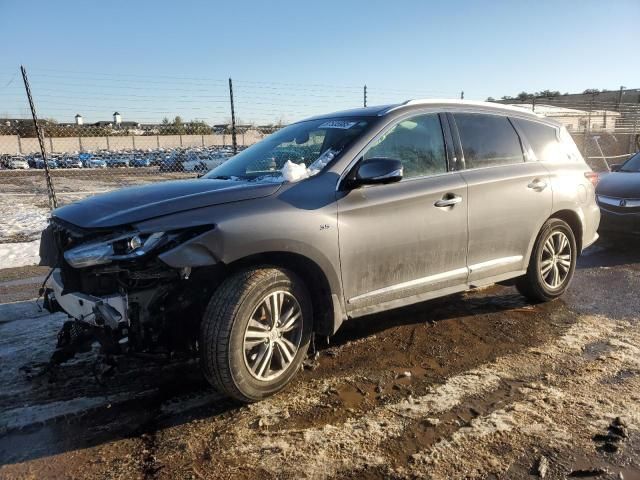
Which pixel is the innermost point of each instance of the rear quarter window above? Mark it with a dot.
(543, 140)
(568, 146)
(488, 140)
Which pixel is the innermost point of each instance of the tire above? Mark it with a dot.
(538, 285)
(233, 353)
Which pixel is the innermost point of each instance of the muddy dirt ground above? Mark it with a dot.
(478, 385)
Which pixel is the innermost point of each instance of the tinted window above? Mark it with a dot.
(488, 140)
(542, 138)
(417, 142)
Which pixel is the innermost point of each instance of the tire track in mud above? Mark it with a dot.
(362, 443)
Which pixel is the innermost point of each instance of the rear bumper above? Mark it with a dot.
(110, 310)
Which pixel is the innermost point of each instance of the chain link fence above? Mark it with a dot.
(104, 131)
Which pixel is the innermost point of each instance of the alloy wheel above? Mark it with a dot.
(273, 334)
(555, 262)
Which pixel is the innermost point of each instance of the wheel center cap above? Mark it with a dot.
(273, 335)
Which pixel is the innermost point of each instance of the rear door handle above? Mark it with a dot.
(448, 201)
(537, 185)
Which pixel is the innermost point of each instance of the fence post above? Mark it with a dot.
(620, 96)
(633, 144)
(533, 104)
(587, 128)
(233, 119)
(53, 201)
(365, 96)
(19, 144)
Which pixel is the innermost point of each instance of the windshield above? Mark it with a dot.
(632, 165)
(295, 152)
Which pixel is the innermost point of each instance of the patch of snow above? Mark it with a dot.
(33, 414)
(19, 254)
(293, 172)
(25, 310)
(25, 220)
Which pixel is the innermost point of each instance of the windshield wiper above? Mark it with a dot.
(220, 177)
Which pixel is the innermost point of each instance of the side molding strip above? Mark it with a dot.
(439, 277)
(497, 262)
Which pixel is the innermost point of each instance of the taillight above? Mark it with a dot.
(592, 177)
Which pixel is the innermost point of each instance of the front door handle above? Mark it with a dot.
(448, 201)
(537, 185)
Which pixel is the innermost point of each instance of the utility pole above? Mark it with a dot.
(365, 96)
(622, 87)
(587, 128)
(53, 201)
(234, 141)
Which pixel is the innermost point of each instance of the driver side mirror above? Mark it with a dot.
(616, 167)
(376, 171)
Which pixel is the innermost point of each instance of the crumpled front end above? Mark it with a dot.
(115, 288)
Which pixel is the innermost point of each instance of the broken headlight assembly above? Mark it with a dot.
(124, 247)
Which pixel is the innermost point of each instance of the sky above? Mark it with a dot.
(290, 59)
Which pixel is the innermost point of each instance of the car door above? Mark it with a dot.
(404, 239)
(509, 194)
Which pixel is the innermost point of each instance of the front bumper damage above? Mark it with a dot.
(110, 310)
(103, 319)
(140, 305)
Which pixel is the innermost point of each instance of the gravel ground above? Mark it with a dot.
(478, 385)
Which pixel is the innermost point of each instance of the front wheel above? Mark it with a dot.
(552, 263)
(255, 332)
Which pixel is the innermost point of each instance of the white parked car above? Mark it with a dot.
(201, 162)
(17, 163)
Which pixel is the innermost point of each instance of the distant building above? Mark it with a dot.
(79, 119)
(22, 122)
(117, 119)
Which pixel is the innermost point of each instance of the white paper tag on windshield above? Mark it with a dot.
(343, 124)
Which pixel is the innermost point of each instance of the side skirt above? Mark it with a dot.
(424, 296)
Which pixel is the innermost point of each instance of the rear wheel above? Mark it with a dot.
(552, 263)
(255, 333)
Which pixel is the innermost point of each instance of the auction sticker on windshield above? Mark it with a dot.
(343, 124)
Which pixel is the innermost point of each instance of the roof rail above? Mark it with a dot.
(455, 101)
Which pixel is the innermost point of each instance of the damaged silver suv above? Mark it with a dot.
(328, 219)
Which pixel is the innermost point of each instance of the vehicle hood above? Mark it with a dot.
(131, 205)
(620, 185)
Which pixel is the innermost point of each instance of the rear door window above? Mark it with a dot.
(542, 138)
(488, 140)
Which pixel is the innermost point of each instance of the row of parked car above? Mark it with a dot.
(170, 160)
